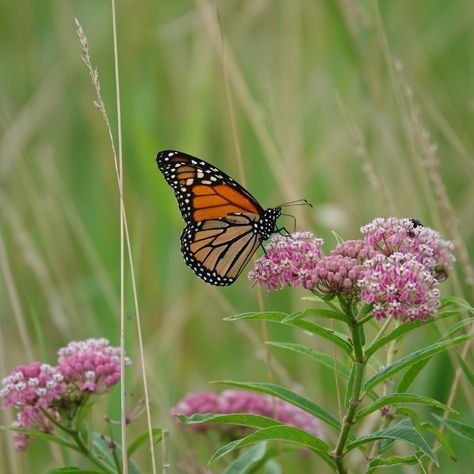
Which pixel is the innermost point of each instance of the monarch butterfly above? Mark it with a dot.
(224, 223)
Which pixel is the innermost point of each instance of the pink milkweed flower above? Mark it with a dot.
(399, 287)
(287, 261)
(32, 389)
(92, 365)
(407, 236)
(336, 275)
(241, 401)
(34, 385)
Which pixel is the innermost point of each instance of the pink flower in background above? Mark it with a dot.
(407, 236)
(91, 365)
(399, 287)
(287, 261)
(240, 401)
(31, 389)
(34, 385)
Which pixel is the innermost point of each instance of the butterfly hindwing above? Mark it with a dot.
(218, 249)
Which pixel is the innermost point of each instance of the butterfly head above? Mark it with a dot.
(267, 224)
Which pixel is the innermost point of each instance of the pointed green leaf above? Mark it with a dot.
(410, 375)
(102, 444)
(441, 439)
(279, 433)
(456, 301)
(461, 429)
(393, 461)
(51, 438)
(466, 369)
(321, 357)
(339, 239)
(456, 327)
(412, 359)
(318, 313)
(403, 433)
(243, 419)
(73, 470)
(337, 338)
(247, 460)
(157, 434)
(399, 398)
(406, 328)
(287, 395)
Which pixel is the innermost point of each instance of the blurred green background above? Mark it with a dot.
(364, 108)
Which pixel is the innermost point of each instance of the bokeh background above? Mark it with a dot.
(364, 108)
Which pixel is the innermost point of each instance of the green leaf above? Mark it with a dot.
(456, 301)
(243, 419)
(456, 327)
(319, 313)
(51, 438)
(403, 433)
(461, 429)
(324, 359)
(247, 460)
(412, 359)
(337, 338)
(399, 398)
(281, 433)
(441, 439)
(406, 327)
(339, 239)
(72, 470)
(287, 395)
(393, 461)
(466, 369)
(157, 434)
(102, 443)
(410, 375)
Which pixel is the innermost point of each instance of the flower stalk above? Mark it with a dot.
(357, 332)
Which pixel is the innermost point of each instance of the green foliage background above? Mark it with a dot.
(326, 96)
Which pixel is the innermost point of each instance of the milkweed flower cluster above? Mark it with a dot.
(91, 365)
(288, 261)
(240, 401)
(396, 266)
(40, 393)
(408, 236)
(399, 287)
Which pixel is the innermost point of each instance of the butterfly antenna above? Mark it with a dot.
(298, 202)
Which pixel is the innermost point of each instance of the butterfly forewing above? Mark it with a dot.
(203, 192)
(225, 223)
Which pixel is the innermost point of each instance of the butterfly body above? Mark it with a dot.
(224, 223)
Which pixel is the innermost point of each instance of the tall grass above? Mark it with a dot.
(312, 97)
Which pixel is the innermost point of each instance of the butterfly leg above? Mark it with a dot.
(283, 229)
(264, 251)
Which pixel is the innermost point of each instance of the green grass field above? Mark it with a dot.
(364, 108)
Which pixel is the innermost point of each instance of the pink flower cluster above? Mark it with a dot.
(31, 389)
(288, 261)
(396, 266)
(408, 236)
(240, 401)
(335, 274)
(91, 365)
(37, 390)
(399, 287)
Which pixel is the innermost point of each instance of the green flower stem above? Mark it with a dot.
(81, 446)
(360, 362)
